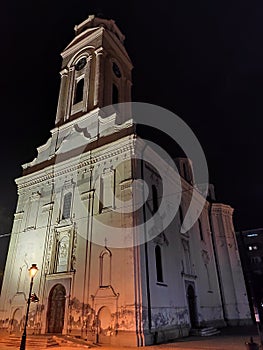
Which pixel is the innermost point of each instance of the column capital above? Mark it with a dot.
(99, 51)
(63, 72)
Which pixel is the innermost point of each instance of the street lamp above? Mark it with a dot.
(32, 272)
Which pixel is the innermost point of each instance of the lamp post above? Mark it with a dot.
(32, 272)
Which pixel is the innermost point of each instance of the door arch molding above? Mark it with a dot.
(104, 321)
(56, 309)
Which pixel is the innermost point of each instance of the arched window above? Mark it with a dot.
(79, 91)
(155, 198)
(158, 262)
(105, 268)
(115, 94)
(67, 206)
(200, 230)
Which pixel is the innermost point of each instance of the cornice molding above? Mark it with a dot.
(77, 43)
(219, 208)
(51, 173)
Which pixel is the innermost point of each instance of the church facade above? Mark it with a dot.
(79, 220)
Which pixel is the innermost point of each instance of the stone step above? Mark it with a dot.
(204, 332)
(208, 334)
(73, 341)
(51, 341)
(32, 341)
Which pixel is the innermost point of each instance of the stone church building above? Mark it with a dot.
(79, 220)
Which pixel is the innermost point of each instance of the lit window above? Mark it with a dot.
(253, 247)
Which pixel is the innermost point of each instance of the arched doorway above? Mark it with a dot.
(56, 309)
(192, 305)
(104, 329)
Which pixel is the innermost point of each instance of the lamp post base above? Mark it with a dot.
(23, 342)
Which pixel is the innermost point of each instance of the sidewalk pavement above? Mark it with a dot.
(230, 338)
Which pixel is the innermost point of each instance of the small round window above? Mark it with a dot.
(81, 63)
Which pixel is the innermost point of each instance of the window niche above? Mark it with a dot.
(158, 264)
(32, 212)
(115, 94)
(155, 203)
(201, 234)
(66, 211)
(181, 215)
(79, 91)
(105, 268)
(107, 190)
(66, 203)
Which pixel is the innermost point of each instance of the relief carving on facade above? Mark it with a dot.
(47, 267)
(81, 315)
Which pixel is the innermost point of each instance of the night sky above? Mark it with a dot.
(203, 60)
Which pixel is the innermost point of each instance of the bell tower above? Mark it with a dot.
(96, 70)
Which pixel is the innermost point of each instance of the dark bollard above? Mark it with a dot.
(252, 345)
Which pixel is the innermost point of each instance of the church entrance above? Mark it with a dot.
(56, 309)
(104, 325)
(192, 305)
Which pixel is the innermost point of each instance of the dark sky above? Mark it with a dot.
(203, 60)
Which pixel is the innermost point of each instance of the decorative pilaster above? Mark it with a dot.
(62, 96)
(99, 78)
(69, 93)
(86, 95)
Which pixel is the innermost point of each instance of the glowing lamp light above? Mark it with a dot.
(33, 270)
